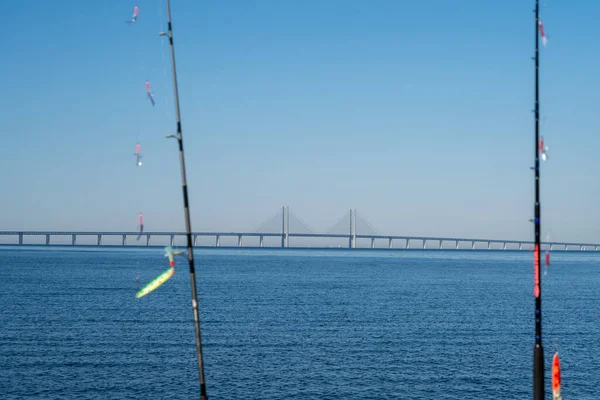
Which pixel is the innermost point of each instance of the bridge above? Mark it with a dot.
(285, 225)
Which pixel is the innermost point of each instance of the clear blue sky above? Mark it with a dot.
(416, 113)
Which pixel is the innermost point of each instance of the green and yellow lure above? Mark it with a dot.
(162, 278)
(156, 282)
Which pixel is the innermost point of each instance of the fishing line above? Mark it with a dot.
(167, 91)
(141, 74)
(138, 155)
(547, 253)
(139, 146)
(134, 36)
(163, 61)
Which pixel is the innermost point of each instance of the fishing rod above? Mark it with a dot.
(186, 210)
(538, 350)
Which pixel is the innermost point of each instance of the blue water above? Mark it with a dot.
(294, 324)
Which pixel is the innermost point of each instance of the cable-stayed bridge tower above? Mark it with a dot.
(353, 225)
(286, 222)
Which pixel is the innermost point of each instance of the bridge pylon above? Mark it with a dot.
(285, 226)
(352, 235)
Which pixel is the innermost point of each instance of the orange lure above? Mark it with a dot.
(556, 378)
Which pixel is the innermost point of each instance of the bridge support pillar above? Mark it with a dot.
(552, 246)
(99, 240)
(372, 243)
(457, 245)
(172, 240)
(390, 245)
(581, 248)
(195, 240)
(124, 240)
(596, 248)
(350, 235)
(473, 245)
(352, 243)
(47, 239)
(504, 246)
(407, 244)
(441, 244)
(147, 240)
(285, 227)
(20, 238)
(489, 245)
(73, 239)
(239, 240)
(262, 241)
(424, 244)
(218, 241)
(520, 246)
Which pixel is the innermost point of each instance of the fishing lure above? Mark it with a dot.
(542, 33)
(543, 150)
(138, 155)
(162, 278)
(547, 262)
(556, 378)
(134, 17)
(149, 93)
(171, 254)
(141, 228)
(156, 282)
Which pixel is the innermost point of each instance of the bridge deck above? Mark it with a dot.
(239, 235)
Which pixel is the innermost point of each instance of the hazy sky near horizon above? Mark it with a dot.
(418, 114)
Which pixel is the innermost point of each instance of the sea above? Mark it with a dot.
(294, 324)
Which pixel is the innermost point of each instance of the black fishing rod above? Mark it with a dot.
(538, 350)
(186, 211)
